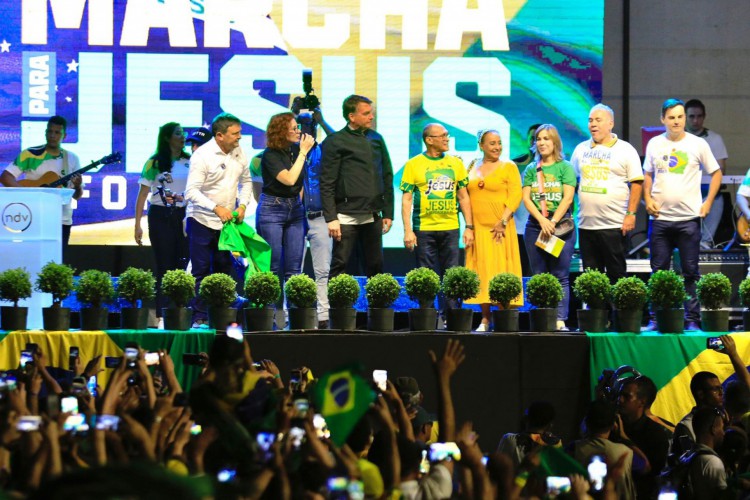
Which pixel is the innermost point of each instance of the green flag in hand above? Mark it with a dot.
(242, 239)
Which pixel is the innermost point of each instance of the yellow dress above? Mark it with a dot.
(501, 188)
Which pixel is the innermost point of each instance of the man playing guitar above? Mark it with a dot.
(34, 163)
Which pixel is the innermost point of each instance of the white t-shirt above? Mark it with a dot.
(716, 143)
(604, 171)
(175, 180)
(677, 174)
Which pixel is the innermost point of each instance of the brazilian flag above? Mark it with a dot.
(669, 360)
(342, 397)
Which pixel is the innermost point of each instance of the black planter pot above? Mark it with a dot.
(592, 320)
(422, 319)
(13, 318)
(94, 318)
(380, 319)
(177, 318)
(746, 320)
(259, 319)
(342, 318)
(543, 319)
(505, 320)
(133, 318)
(56, 319)
(303, 318)
(670, 320)
(459, 320)
(716, 320)
(220, 317)
(628, 320)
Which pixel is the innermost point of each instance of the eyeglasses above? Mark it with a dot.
(441, 136)
(296, 128)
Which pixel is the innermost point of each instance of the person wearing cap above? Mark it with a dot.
(163, 181)
(198, 138)
(317, 229)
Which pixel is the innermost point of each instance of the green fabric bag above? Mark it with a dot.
(242, 239)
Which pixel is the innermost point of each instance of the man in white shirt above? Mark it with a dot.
(216, 169)
(673, 165)
(609, 191)
(696, 113)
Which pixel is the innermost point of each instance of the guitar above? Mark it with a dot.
(52, 180)
(743, 229)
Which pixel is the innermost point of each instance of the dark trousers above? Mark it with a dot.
(65, 241)
(685, 236)
(438, 250)
(206, 258)
(543, 262)
(603, 250)
(371, 237)
(169, 244)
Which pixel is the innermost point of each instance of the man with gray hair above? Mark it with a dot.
(609, 191)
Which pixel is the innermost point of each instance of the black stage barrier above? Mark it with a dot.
(501, 375)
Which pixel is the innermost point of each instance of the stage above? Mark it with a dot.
(502, 373)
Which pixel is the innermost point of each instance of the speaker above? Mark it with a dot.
(735, 271)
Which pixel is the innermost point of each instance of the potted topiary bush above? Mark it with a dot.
(135, 285)
(179, 286)
(544, 293)
(343, 292)
(592, 288)
(503, 289)
(382, 290)
(744, 292)
(459, 284)
(94, 288)
(262, 290)
(713, 291)
(422, 284)
(629, 295)
(55, 279)
(218, 291)
(301, 292)
(15, 285)
(666, 292)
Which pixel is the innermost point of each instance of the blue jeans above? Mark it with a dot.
(321, 247)
(280, 221)
(438, 250)
(559, 267)
(685, 236)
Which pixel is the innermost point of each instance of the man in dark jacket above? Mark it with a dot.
(356, 186)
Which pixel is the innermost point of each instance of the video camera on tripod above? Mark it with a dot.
(310, 101)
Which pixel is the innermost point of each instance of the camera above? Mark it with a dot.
(164, 191)
(310, 101)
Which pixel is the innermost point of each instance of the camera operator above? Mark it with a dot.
(309, 116)
(164, 177)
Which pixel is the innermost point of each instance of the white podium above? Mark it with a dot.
(31, 236)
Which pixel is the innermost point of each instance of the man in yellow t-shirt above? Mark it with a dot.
(434, 184)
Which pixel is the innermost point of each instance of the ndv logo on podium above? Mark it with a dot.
(39, 84)
(16, 217)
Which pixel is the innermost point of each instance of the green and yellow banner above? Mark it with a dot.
(670, 360)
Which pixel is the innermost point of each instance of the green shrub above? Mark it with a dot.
(136, 284)
(629, 294)
(262, 289)
(592, 288)
(15, 285)
(300, 291)
(382, 290)
(460, 283)
(56, 279)
(343, 291)
(218, 290)
(95, 288)
(714, 291)
(544, 291)
(179, 286)
(745, 292)
(666, 290)
(504, 288)
(422, 284)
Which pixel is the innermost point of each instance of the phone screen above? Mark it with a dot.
(380, 377)
(444, 451)
(296, 434)
(76, 423)
(107, 422)
(91, 385)
(265, 441)
(226, 475)
(321, 427)
(557, 485)
(26, 358)
(29, 423)
(196, 429)
(131, 353)
(235, 331)
(74, 351)
(69, 404)
(597, 472)
(714, 343)
(301, 406)
(152, 358)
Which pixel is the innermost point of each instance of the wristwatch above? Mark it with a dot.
(504, 222)
(470, 226)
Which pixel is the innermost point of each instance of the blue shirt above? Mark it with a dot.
(312, 180)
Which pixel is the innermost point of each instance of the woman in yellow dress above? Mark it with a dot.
(495, 193)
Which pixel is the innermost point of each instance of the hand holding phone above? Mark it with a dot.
(444, 451)
(73, 357)
(597, 469)
(380, 377)
(714, 343)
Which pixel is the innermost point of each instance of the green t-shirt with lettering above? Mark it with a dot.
(555, 176)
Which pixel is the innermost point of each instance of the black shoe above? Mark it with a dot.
(323, 324)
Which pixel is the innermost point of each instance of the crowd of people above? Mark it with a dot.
(242, 430)
(346, 182)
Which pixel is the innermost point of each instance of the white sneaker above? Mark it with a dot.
(160, 324)
(561, 326)
(483, 327)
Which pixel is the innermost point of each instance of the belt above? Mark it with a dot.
(314, 215)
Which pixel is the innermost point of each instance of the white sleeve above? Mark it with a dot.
(708, 162)
(633, 164)
(196, 178)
